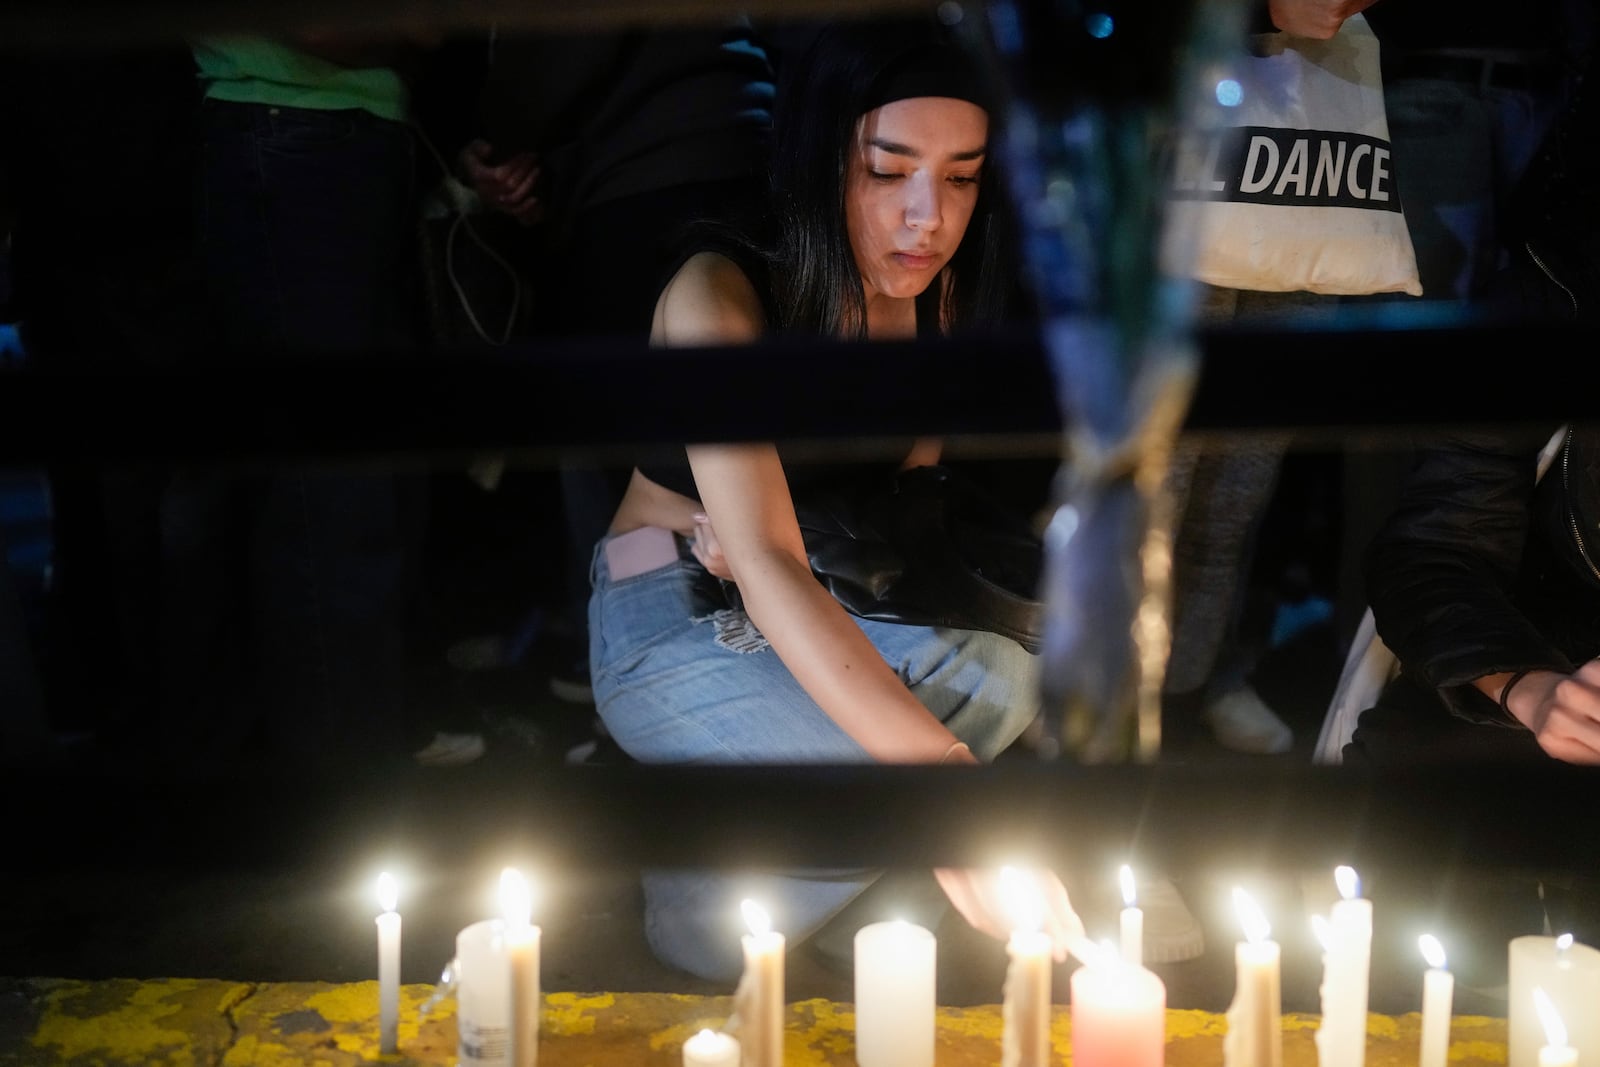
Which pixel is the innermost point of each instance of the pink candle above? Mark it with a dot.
(1119, 1015)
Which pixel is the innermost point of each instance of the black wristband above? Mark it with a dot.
(1505, 691)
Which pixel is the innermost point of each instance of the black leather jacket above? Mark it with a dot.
(1482, 568)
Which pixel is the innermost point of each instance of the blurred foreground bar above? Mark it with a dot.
(94, 23)
(1379, 376)
(1207, 816)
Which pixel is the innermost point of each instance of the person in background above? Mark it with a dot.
(1223, 493)
(103, 284)
(710, 639)
(1485, 580)
(1470, 91)
(288, 587)
(588, 152)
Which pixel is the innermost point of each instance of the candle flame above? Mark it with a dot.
(388, 892)
(1125, 875)
(1324, 935)
(1432, 951)
(1021, 896)
(516, 900)
(1254, 920)
(756, 917)
(1348, 881)
(1555, 1031)
(1563, 942)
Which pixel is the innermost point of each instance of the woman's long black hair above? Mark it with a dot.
(817, 288)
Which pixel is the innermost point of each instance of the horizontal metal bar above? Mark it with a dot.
(613, 398)
(35, 24)
(1188, 816)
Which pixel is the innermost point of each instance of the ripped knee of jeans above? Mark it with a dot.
(734, 631)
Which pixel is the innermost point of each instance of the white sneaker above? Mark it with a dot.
(1241, 720)
(451, 750)
(1171, 932)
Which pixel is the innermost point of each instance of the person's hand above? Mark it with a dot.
(1562, 710)
(984, 901)
(1318, 19)
(507, 187)
(707, 549)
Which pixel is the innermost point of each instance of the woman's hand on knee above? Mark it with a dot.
(985, 901)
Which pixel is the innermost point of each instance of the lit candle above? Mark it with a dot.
(388, 965)
(1255, 1032)
(1132, 920)
(1569, 973)
(1438, 988)
(1555, 1052)
(1025, 1012)
(1346, 963)
(1119, 1013)
(759, 998)
(521, 940)
(895, 995)
(711, 1048)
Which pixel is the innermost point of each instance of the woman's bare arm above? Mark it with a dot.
(746, 497)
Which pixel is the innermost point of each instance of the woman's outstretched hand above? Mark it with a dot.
(983, 899)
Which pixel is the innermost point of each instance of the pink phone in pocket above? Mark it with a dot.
(638, 551)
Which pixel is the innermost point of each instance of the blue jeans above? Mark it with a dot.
(681, 677)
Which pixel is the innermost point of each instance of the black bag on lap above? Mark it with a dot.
(926, 546)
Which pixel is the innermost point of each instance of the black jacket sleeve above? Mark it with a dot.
(1441, 574)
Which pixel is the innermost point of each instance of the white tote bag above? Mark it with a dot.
(1298, 191)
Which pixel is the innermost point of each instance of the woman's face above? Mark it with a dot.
(910, 187)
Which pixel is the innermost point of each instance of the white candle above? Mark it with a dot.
(1569, 973)
(711, 1048)
(1438, 989)
(759, 999)
(521, 940)
(1347, 960)
(1132, 920)
(1255, 1030)
(1555, 1052)
(1119, 1014)
(1025, 1011)
(388, 965)
(895, 995)
(483, 995)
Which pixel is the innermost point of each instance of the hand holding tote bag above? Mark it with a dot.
(1299, 192)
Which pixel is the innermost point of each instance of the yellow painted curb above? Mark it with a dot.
(195, 1023)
